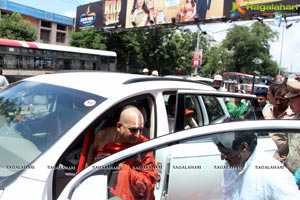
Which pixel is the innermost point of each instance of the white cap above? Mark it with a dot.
(225, 139)
(154, 73)
(145, 70)
(218, 77)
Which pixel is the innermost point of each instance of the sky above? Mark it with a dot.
(285, 50)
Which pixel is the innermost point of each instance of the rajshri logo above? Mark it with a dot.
(236, 10)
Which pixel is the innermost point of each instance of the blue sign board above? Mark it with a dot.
(36, 13)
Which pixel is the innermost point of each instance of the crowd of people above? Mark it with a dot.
(278, 101)
(153, 73)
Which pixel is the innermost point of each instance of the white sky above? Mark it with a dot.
(290, 47)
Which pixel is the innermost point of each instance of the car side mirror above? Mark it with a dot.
(94, 187)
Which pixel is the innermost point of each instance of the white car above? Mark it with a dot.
(45, 120)
(189, 163)
(199, 79)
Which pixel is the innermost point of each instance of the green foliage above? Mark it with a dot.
(88, 38)
(15, 27)
(165, 50)
(170, 50)
(128, 49)
(9, 109)
(248, 43)
(218, 60)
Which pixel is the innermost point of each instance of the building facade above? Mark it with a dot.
(51, 28)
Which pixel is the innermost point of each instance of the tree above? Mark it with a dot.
(165, 50)
(128, 49)
(170, 50)
(88, 38)
(16, 28)
(218, 60)
(248, 43)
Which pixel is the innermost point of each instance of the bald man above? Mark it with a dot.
(137, 176)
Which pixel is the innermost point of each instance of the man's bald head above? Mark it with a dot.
(130, 113)
(130, 125)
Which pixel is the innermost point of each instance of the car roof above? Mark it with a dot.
(107, 83)
(193, 78)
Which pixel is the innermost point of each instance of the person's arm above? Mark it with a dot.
(147, 172)
(281, 141)
(141, 177)
(282, 185)
(5, 82)
(193, 15)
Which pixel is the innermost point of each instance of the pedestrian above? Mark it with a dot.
(154, 73)
(280, 105)
(243, 177)
(249, 89)
(261, 95)
(293, 144)
(261, 98)
(137, 176)
(271, 97)
(237, 108)
(218, 82)
(3, 80)
(146, 71)
(279, 109)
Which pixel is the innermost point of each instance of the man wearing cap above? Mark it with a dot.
(293, 158)
(294, 96)
(243, 179)
(261, 97)
(217, 83)
(145, 71)
(154, 73)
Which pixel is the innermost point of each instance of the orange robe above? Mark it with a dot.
(137, 176)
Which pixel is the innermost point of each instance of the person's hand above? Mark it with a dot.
(100, 156)
(278, 157)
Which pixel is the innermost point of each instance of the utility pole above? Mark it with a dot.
(197, 50)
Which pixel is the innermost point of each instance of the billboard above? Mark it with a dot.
(110, 14)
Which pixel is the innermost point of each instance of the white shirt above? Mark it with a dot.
(222, 89)
(263, 178)
(3, 81)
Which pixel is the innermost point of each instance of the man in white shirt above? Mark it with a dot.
(3, 80)
(250, 172)
(217, 83)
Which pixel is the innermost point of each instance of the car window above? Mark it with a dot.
(186, 169)
(193, 110)
(170, 103)
(84, 151)
(189, 116)
(33, 116)
(213, 107)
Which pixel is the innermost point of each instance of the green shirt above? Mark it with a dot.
(237, 110)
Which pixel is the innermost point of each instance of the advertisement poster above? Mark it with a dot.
(104, 14)
(111, 14)
(108, 14)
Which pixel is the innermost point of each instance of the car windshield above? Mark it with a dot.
(33, 116)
